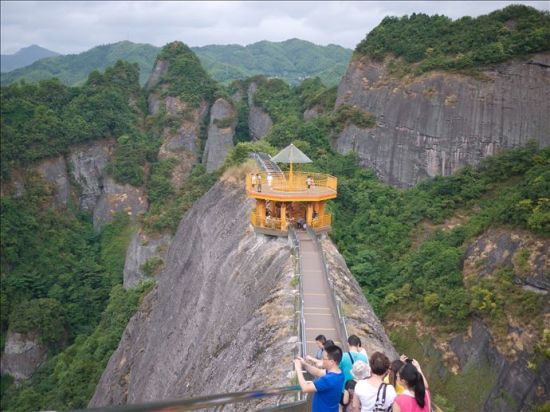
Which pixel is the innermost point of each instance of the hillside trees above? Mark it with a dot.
(436, 42)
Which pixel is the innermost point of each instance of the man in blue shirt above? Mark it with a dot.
(327, 388)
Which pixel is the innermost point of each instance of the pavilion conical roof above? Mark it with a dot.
(291, 154)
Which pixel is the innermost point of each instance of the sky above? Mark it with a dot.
(69, 27)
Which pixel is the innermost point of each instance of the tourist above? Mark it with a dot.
(416, 396)
(259, 182)
(327, 387)
(253, 181)
(269, 180)
(320, 342)
(391, 377)
(360, 371)
(373, 392)
(349, 358)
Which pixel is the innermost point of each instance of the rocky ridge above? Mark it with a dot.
(435, 123)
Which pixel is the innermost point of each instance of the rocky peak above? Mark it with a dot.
(223, 120)
(259, 122)
(236, 291)
(435, 123)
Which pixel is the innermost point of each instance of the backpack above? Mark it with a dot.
(380, 401)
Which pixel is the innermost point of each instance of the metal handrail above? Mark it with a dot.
(214, 401)
(296, 243)
(335, 300)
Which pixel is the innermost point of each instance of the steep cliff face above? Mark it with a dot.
(88, 162)
(259, 122)
(223, 308)
(54, 170)
(501, 349)
(145, 257)
(22, 355)
(181, 139)
(435, 123)
(223, 120)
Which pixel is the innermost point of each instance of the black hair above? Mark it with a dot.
(354, 341)
(334, 353)
(379, 363)
(415, 381)
(328, 342)
(321, 338)
(394, 369)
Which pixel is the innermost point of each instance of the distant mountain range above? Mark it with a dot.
(24, 57)
(292, 60)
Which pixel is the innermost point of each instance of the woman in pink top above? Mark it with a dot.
(416, 396)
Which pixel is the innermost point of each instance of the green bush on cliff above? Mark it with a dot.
(437, 42)
(43, 120)
(185, 76)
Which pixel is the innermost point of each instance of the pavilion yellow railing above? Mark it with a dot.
(276, 223)
(322, 221)
(295, 183)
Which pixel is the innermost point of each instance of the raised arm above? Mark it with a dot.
(307, 387)
(417, 366)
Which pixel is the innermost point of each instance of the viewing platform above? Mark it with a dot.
(286, 199)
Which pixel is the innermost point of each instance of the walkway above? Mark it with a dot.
(318, 312)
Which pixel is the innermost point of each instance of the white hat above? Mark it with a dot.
(360, 370)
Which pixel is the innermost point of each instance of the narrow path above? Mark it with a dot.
(318, 313)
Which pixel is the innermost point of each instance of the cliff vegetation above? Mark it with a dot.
(437, 42)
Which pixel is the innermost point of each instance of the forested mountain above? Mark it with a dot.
(456, 266)
(24, 57)
(73, 69)
(292, 60)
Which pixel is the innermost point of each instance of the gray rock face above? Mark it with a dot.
(223, 304)
(311, 113)
(88, 162)
(518, 250)
(522, 386)
(360, 318)
(115, 198)
(54, 170)
(438, 122)
(143, 249)
(259, 122)
(22, 355)
(161, 67)
(223, 120)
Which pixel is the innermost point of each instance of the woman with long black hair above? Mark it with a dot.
(416, 396)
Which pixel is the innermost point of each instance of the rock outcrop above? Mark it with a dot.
(118, 198)
(54, 170)
(437, 122)
(87, 163)
(144, 250)
(181, 138)
(259, 122)
(22, 355)
(223, 120)
(224, 303)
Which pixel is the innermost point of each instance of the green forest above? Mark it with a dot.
(437, 42)
(62, 280)
(291, 60)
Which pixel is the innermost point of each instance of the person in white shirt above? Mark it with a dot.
(269, 180)
(372, 391)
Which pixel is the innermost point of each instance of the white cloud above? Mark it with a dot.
(76, 26)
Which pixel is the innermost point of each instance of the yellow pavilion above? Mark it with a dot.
(290, 198)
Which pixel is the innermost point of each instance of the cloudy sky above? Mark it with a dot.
(76, 26)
